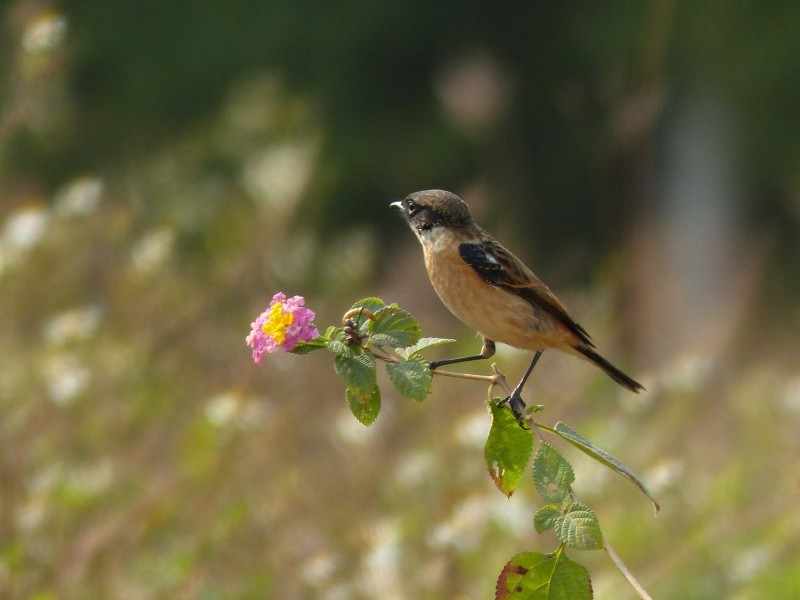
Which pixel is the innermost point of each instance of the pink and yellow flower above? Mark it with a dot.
(281, 327)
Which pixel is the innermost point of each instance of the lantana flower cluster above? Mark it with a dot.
(281, 327)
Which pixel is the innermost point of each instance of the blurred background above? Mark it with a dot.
(165, 169)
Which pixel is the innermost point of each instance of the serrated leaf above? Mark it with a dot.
(601, 456)
(552, 474)
(365, 404)
(337, 337)
(412, 378)
(356, 368)
(421, 345)
(545, 518)
(394, 327)
(579, 528)
(372, 304)
(537, 576)
(340, 348)
(508, 449)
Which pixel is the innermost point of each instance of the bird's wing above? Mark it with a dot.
(499, 267)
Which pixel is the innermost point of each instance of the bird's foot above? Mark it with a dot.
(518, 408)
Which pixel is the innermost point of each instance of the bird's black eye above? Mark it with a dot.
(412, 207)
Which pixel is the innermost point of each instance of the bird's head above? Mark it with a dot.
(428, 210)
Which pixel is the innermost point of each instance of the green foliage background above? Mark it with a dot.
(164, 169)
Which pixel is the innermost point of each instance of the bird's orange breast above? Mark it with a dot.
(495, 313)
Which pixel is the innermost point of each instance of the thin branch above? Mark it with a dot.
(489, 378)
(625, 571)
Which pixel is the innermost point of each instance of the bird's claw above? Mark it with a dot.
(518, 409)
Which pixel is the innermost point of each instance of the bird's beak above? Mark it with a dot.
(398, 204)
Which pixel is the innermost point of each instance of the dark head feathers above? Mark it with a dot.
(433, 208)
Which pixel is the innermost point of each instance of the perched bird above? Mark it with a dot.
(492, 291)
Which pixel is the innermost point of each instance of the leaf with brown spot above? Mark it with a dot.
(537, 576)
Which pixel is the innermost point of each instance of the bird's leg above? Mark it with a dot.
(515, 401)
(486, 352)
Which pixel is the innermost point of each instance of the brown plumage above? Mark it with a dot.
(491, 290)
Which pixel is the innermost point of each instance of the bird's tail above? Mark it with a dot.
(611, 370)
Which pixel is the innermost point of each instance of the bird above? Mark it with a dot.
(493, 292)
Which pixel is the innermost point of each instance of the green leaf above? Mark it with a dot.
(545, 518)
(364, 403)
(394, 327)
(356, 367)
(601, 456)
(337, 337)
(371, 304)
(508, 449)
(537, 576)
(552, 474)
(421, 345)
(579, 528)
(412, 378)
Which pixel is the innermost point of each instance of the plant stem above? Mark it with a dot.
(489, 378)
(625, 571)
